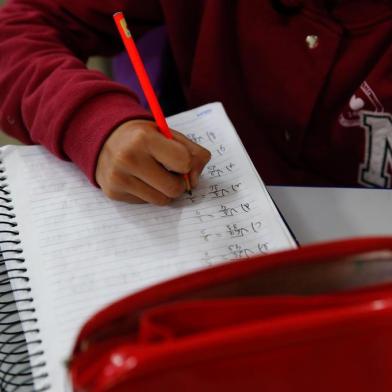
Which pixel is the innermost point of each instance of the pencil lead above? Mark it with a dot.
(189, 192)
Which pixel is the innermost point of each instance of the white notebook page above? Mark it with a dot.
(84, 251)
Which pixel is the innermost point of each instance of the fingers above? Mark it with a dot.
(156, 176)
(180, 154)
(172, 154)
(138, 164)
(132, 190)
(200, 157)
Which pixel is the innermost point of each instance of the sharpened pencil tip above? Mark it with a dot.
(189, 192)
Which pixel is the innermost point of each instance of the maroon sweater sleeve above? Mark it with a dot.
(47, 95)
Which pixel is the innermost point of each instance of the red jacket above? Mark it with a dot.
(310, 92)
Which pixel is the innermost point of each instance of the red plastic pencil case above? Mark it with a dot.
(318, 318)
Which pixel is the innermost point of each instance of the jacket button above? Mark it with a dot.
(287, 136)
(312, 41)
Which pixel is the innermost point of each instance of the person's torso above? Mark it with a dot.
(309, 93)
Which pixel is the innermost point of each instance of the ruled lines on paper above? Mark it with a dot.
(93, 250)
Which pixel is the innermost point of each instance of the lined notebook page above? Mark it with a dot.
(85, 251)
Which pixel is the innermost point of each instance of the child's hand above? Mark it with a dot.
(138, 164)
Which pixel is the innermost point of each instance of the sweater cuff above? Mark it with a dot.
(92, 125)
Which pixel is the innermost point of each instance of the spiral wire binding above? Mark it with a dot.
(19, 367)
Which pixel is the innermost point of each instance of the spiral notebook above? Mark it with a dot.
(69, 250)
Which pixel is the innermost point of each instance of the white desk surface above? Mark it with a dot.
(320, 214)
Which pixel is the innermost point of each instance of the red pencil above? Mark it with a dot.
(144, 81)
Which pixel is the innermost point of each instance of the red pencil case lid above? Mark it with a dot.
(230, 310)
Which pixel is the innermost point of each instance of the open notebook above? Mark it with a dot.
(79, 251)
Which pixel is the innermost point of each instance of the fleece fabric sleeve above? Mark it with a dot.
(47, 96)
